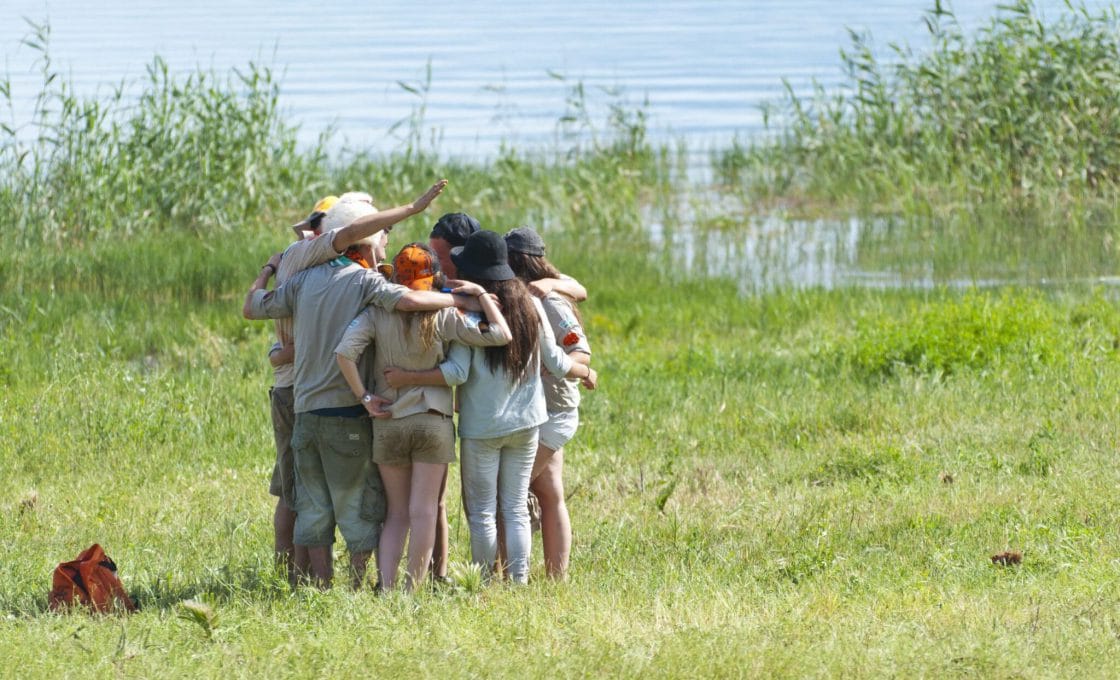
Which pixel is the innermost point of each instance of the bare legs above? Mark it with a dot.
(442, 540)
(289, 556)
(322, 566)
(413, 493)
(556, 527)
(321, 558)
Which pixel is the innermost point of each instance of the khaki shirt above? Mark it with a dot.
(395, 337)
(323, 300)
(562, 394)
(300, 255)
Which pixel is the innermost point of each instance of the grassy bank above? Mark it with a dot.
(782, 483)
(757, 489)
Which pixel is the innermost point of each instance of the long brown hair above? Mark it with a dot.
(524, 324)
(531, 268)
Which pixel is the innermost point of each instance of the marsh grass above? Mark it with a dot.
(1020, 112)
(757, 487)
(201, 152)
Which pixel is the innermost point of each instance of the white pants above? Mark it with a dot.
(496, 472)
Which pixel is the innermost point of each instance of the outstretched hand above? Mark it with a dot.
(421, 204)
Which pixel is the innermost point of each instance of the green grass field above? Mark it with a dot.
(771, 481)
(756, 490)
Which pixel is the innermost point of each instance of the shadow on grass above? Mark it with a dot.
(217, 585)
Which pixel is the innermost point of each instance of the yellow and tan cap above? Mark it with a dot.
(321, 207)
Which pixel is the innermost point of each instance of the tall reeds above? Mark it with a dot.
(201, 152)
(1023, 111)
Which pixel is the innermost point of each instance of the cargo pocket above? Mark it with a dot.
(350, 438)
(300, 445)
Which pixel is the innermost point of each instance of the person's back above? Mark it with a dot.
(336, 482)
(501, 406)
(494, 403)
(415, 443)
(324, 300)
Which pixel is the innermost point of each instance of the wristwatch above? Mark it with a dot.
(367, 398)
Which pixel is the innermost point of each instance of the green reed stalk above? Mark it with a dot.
(1021, 111)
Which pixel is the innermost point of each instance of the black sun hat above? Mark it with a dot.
(483, 257)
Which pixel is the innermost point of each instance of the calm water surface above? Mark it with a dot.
(703, 65)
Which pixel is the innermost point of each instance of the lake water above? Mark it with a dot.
(501, 73)
(704, 66)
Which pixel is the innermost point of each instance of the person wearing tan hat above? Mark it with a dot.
(335, 226)
(414, 439)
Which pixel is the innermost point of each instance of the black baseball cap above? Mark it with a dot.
(525, 240)
(455, 228)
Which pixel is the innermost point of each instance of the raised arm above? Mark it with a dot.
(385, 219)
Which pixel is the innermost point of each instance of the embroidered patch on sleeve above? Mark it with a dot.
(473, 319)
(571, 339)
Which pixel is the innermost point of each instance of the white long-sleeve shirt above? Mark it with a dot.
(492, 405)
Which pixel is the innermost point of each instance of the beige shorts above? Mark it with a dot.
(420, 438)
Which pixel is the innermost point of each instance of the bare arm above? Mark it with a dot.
(580, 358)
(489, 306)
(384, 220)
(582, 371)
(568, 287)
(349, 369)
(452, 371)
(427, 300)
(401, 377)
(285, 355)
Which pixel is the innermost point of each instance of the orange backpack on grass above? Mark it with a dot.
(89, 581)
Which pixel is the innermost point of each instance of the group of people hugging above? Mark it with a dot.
(372, 361)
